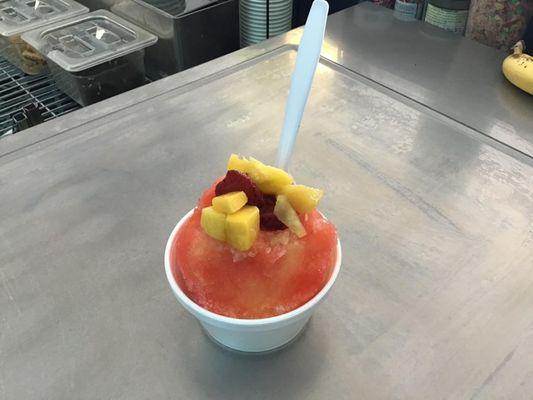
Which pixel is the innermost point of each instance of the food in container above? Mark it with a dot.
(19, 16)
(94, 56)
(254, 258)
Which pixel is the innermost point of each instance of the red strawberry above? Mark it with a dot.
(269, 222)
(236, 181)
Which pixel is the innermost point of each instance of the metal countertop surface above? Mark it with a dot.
(434, 297)
(453, 76)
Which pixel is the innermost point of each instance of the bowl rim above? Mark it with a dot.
(190, 304)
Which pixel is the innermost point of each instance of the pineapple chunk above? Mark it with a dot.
(242, 228)
(230, 202)
(270, 180)
(213, 223)
(238, 164)
(286, 214)
(302, 198)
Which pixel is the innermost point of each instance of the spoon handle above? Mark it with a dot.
(302, 77)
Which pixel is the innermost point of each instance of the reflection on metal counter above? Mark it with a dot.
(190, 32)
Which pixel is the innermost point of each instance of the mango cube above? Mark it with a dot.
(302, 198)
(270, 180)
(230, 202)
(286, 214)
(238, 164)
(242, 228)
(213, 223)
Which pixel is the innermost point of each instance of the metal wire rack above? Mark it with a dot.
(18, 89)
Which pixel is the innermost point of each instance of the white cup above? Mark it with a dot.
(249, 335)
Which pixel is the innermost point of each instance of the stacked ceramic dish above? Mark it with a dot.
(253, 19)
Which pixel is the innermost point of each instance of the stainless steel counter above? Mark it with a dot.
(435, 295)
(456, 77)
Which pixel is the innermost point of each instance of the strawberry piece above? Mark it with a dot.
(236, 181)
(268, 221)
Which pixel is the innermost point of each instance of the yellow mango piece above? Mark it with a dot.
(270, 180)
(237, 163)
(230, 202)
(213, 223)
(302, 198)
(286, 214)
(242, 228)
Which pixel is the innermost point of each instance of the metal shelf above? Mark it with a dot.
(18, 89)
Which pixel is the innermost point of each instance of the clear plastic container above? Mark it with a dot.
(94, 56)
(498, 23)
(19, 16)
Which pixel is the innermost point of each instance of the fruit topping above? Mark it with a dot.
(213, 223)
(242, 228)
(286, 214)
(235, 181)
(303, 198)
(269, 222)
(255, 196)
(230, 202)
(270, 180)
(237, 163)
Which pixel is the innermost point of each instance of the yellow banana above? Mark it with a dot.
(518, 68)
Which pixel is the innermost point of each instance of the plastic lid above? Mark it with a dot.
(88, 40)
(17, 16)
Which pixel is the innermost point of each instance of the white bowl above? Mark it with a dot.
(249, 335)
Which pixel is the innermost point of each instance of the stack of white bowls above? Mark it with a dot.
(253, 15)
